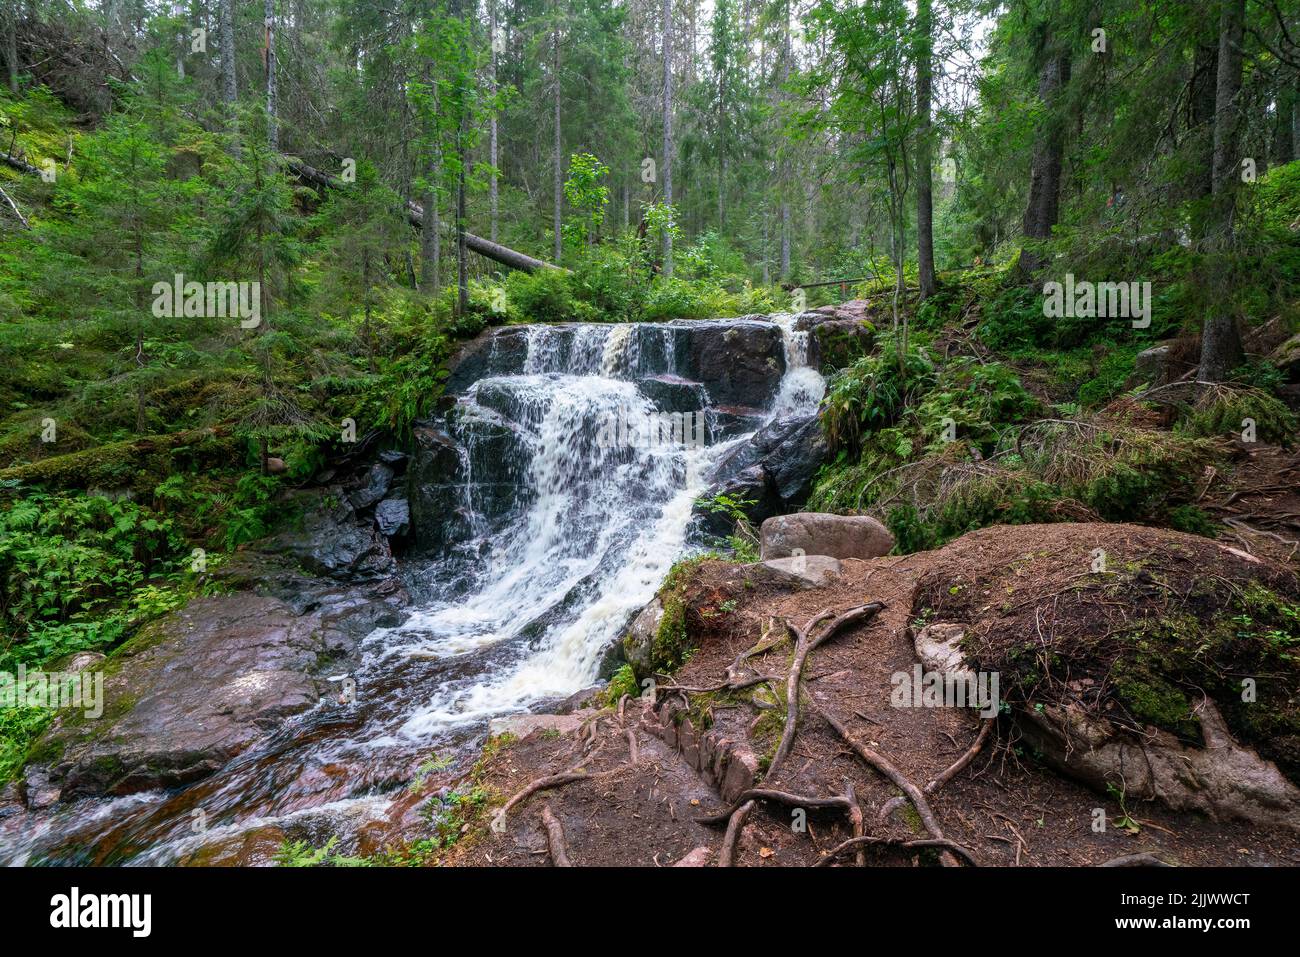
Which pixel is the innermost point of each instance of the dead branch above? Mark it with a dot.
(14, 206)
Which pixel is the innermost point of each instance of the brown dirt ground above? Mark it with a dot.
(1007, 808)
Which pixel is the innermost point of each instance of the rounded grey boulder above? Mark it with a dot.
(820, 533)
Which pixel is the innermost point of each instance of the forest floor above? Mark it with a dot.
(1004, 808)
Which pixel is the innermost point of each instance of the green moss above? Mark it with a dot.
(672, 645)
(1251, 647)
(1153, 700)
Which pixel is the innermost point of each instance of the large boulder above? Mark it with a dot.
(820, 533)
(798, 572)
(189, 692)
(836, 339)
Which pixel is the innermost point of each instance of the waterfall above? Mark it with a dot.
(563, 537)
(802, 386)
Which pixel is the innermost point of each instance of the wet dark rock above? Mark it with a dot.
(377, 482)
(729, 421)
(393, 517)
(739, 361)
(613, 658)
(672, 393)
(445, 495)
(797, 453)
(752, 486)
(774, 471)
(189, 692)
(334, 541)
(394, 457)
(497, 351)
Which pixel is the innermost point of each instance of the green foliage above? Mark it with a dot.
(19, 728)
(586, 192)
(623, 682)
(1226, 411)
(64, 557)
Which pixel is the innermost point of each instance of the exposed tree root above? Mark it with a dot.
(952, 771)
(885, 767)
(541, 784)
(555, 838)
(727, 856)
(1145, 859)
(842, 801)
(805, 645)
(862, 842)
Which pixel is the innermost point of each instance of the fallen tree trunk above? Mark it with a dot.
(415, 214)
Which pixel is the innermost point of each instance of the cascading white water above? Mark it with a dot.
(591, 531)
(802, 386)
(605, 525)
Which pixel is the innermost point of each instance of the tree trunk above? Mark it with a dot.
(268, 57)
(1043, 209)
(783, 185)
(1284, 145)
(462, 263)
(492, 123)
(415, 215)
(668, 128)
(1221, 349)
(229, 88)
(1205, 66)
(1227, 116)
(924, 200)
(557, 225)
(429, 242)
(462, 160)
(10, 26)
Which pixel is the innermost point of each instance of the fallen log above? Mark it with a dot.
(415, 215)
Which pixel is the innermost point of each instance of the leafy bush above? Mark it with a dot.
(546, 295)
